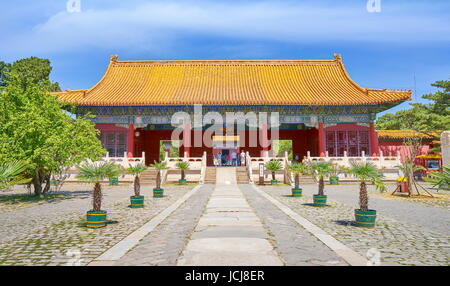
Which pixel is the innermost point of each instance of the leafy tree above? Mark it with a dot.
(29, 72)
(298, 169)
(421, 117)
(366, 172)
(136, 171)
(95, 173)
(322, 169)
(11, 174)
(274, 166)
(4, 69)
(35, 128)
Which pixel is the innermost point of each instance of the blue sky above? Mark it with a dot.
(406, 39)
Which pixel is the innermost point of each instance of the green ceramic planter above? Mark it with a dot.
(274, 182)
(334, 180)
(137, 202)
(182, 181)
(158, 193)
(320, 201)
(96, 219)
(114, 181)
(365, 218)
(296, 192)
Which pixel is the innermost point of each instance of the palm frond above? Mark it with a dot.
(183, 165)
(274, 166)
(137, 169)
(11, 174)
(97, 171)
(160, 166)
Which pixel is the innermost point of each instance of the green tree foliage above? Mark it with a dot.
(159, 167)
(422, 117)
(28, 72)
(440, 180)
(35, 129)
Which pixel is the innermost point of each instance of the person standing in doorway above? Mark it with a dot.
(233, 158)
(219, 158)
(242, 158)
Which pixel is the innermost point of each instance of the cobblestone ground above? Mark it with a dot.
(293, 243)
(54, 234)
(400, 241)
(164, 245)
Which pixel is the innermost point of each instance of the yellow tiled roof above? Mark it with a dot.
(400, 134)
(275, 82)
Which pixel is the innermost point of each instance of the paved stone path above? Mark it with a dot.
(58, 237)
(294, 244)
(397, 242)
(428, 217)
(164, 244)
(229, 232)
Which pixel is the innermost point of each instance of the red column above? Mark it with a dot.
(321, 140)
(264, 139)
(374, 148)
(130, 140)
(187, 139)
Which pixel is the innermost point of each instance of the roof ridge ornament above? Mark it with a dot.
(114, 58)
(338, 57)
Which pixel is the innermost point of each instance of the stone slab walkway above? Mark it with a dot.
(229, 233)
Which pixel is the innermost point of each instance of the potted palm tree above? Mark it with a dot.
(298, 169)
(334, 177)
(366, 172)
(11, 174)
(274, 166)
(95, 173)
(183, 166)
(158, 192)
(321, 169)
(137, 201)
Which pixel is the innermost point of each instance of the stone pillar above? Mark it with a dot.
(321, 140)
(130, 140)
(445, 148)
(187, 140)
(373, 137)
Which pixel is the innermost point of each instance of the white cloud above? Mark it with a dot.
(160, 25)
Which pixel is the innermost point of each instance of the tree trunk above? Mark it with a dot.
(363, 197)
(297, 181)
(37, 182)
(273, 176)
(158, 180)
(321, 186)
(137, 186)
(182, 174)
(97, 198)
(47, 179)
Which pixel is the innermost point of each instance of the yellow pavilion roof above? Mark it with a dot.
(402, 134)
(229, 82)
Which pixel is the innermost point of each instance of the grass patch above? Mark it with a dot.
(24, 198)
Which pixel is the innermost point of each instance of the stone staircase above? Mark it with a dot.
(210, 176)
(149, 176)
(306, 180)
(241, 175)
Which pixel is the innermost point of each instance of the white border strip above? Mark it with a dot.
(121, 248)
(350, 256)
